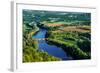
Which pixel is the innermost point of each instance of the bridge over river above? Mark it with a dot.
(50, 49)
(41, 39)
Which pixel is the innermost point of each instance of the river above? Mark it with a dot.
(50, 49)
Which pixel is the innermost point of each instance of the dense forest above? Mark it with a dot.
(71, 31)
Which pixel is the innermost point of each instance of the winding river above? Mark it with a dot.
(50, 49)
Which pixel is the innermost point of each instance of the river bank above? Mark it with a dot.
(71, 49)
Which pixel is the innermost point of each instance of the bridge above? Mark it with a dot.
(41, 39)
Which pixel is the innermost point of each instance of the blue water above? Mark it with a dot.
(50, 49)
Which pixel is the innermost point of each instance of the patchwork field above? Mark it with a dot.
(82, 29)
